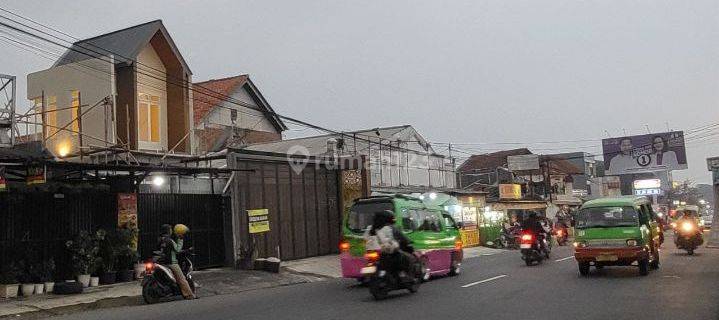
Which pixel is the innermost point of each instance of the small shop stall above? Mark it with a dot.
(497, 212)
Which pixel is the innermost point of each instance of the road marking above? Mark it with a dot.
(483, 281)
(487, 254)
(562, 259)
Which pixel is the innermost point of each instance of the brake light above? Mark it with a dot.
(372, 256)
(559, 232)
(149, 267)
(527, 237)
(458, 245)
(344, 246)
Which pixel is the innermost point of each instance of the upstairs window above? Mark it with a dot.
(148, 118)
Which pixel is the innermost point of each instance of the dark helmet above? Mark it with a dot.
(166, 229)
(532, 214)
(390, 216)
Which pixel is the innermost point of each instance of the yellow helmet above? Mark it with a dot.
(181, 229)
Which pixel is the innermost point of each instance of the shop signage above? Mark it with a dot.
(35, 174)
(259, 220)
(510, 191)
(127, 214)
(647, 192)
(523, 162)
(3, 182)
(647, 184)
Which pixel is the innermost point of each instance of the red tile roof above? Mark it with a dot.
(491, 160)
(209, 94)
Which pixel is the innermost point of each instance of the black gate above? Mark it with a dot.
(202, 213)
(35, 225)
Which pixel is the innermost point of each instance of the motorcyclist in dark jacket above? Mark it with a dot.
(403, 258)
(534, 224)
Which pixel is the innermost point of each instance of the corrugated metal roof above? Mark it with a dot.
(317, 145)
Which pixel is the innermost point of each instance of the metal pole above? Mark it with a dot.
(79, 123)
(44, 120)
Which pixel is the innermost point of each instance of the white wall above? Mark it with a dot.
(246, 117)
(94, 79)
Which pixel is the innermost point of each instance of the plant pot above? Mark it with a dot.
(259, 264)
(94, 281)
(49, 287)
(125, 275)
(27, 289)
(139, 270)
(84, 279)
(108, 278)
(8, 291)
(272, 265)
(39, 288)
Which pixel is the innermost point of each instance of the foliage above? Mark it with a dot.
(48, 270)
(126, 253)
(84, 250)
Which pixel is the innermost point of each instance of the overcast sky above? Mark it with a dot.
(459, 71)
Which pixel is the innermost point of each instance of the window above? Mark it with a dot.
(51, 115)
(423, 220)
(362, 214)
(148, 118)
(75, 104)
(607, 217)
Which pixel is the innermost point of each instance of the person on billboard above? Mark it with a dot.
(661, 155)
(624, 159)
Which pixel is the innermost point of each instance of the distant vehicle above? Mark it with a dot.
(433, 232)
(706, 222)
(617, 231)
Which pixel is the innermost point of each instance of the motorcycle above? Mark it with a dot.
(534, 248)
(561, 233)
(508, 238)
(382, 279)
(159, 281)
(688, 236)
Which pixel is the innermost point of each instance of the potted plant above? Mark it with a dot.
(48, 270)
(36, 275)
(27, 287)
(107, 257)
(9, 285)
(83, 250)
(126, 254)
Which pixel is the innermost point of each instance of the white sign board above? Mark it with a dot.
(523, 162)
(647, 184)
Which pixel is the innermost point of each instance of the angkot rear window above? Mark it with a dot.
(362, 214)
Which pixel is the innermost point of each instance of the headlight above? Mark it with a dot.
(632, 243)
(687, 227)
(580, 244)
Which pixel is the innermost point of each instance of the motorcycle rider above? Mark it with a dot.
(534, 224)
(171, 247)
(396, 248)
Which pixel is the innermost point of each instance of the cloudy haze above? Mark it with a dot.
(459, 71)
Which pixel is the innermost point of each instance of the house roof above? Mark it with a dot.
(556, 164)
(317, 145)
(124, 45)
(491, 160)
(210, 94)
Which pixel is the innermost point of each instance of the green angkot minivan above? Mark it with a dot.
(617, 232)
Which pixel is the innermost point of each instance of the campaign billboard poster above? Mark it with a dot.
(645, 153)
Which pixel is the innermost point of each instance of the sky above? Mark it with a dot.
(493, 74)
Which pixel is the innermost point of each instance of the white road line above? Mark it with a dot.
(483, 281)
(562, 259)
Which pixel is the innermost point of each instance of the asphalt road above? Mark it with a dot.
(490, 287)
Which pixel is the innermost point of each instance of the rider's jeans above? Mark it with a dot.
(182, 282)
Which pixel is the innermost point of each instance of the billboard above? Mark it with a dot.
(645, 153)
(523, 162)
(510, 191)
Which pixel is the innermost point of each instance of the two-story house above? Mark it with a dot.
(129, 89)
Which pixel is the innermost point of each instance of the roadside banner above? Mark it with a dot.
(645, 153)
(127, 214)
(259, 220)
(35, 174)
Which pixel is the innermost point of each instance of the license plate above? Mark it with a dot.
(607, 257)
(368, 270)
(525, 246)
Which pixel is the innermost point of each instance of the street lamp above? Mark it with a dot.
(702, 201)
(158, 181)
(676, 202)
(683, 203)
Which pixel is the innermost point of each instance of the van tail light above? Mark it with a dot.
(372, 256)
(344, 246)
(458, 245)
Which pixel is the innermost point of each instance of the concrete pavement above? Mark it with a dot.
(497, 286)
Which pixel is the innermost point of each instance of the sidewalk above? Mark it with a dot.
(211, 282)
(329, 266)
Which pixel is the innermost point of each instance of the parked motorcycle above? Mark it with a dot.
(561, 233)
(534, 248)
(382, 279)
(159, 281)
(688, 236)
(509, 238)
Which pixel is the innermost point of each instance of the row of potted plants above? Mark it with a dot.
(97, 258)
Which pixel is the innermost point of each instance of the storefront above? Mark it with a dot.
(469, 211)
(499, 211)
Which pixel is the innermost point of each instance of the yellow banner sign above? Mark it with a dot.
(259, 220)
(510, 191)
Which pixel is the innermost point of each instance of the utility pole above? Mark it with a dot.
(7, 111)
